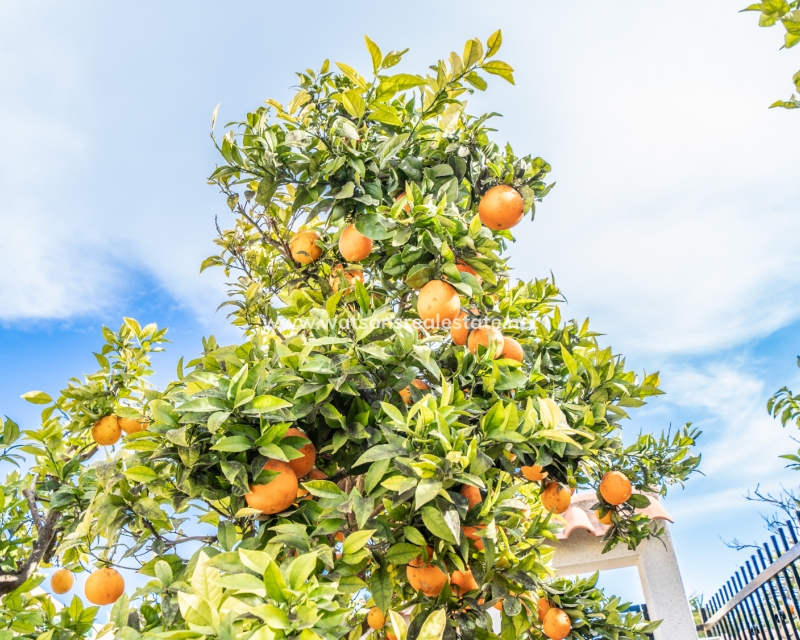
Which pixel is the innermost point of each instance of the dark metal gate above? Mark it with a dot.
(761, 601)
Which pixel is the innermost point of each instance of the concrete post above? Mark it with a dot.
(665, 597)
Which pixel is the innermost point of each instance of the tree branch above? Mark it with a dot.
(11, 580)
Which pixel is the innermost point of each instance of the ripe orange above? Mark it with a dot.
(390, 636)
(606, 519)
(106, 430)
(350, 275)
(501, 207)
(129, 425)
(278, 494)
(438, 303)
(461, 582)
(104, 586)
(316, 474)
(615, 488)
(408, 204)
(405, 393)
(303, 247)
(471, 533)
(465, 268)
(482, 336)
(375, 618)
(301, 466)
(556, 624)
(459, 329)
(427, 578)
(542, 607)
(61, 581)
(512, 350)
(556, 498)
(472, 494)
(353, 245)
(533, 473)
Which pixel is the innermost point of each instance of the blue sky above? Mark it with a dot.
(673, 224)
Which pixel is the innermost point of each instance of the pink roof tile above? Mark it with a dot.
(581, 516)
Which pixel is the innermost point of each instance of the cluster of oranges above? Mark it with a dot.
(284, 488)
(108, 429)
(103, 586)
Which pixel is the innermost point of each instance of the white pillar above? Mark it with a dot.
(658, 570)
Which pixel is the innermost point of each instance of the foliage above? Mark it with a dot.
(398, 156)
(788, 14)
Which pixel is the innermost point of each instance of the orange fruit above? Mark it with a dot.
(556, 498)
(301, 493)
(61, 581)
(542, 607)
(405, 393)
(556, 624)
(482, 336)
(353, 245)
(472, 494)
(375, 618)
(106, 430)
(104, 586)
(459, 329)
(130, 425)
(408, 204)
(463, 581)
(301, 466)
(606, 519)
(390, 636)
(615, 488)
(351, 275)
(512, 350)
(533, 473)
(471, 533)
(316, 474)
(427, 578)
(465, 268)
(501, 207)
(438, 303)
(278, 494)
(304, 248)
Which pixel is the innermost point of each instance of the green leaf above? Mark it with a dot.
(435, 523)
(473, 52)
(388, 149)
(375, 54)
(498, 68)
(239, 581)
(379, 452)
(164, 572)
(265, 404)
(324, 489)
(476, 81)
(141, 474)
(204, 405)
(403, 553)
(419, 275)
(380, 585)
(148, 508)
(353, 103)
(407, 81)
(639, 501)
(494, 42)
(384, 113)
(357, 540)
(10, 432)
(433, 627)
(427, 490)
(234, 443)
(301, 568)
(37, 397)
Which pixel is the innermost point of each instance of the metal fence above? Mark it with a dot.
(761, 601)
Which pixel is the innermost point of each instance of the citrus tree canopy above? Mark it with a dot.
(386, 450)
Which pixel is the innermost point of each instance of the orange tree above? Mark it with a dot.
(395, 431)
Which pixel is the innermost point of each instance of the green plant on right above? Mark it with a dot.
(788, 14)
